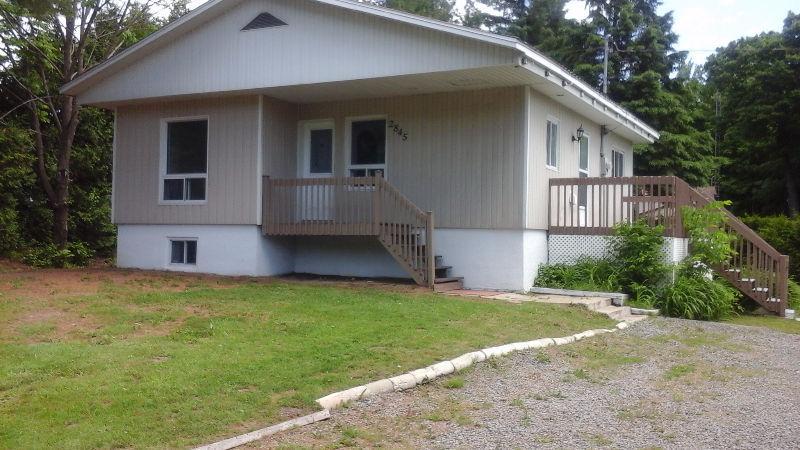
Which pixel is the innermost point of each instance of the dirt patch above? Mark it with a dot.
(49, 324)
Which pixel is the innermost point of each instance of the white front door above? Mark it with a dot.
(316, 161)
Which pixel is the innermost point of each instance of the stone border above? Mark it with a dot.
(430, 373)
(645, 311)
(571, 293)
(269, 431)
(402, 383)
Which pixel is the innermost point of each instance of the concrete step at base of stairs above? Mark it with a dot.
(615, 312)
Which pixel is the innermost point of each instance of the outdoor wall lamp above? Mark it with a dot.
(580, 133)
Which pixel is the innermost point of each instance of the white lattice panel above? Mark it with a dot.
(568, 249)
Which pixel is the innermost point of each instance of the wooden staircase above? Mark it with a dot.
(358, 206)
(758, 270)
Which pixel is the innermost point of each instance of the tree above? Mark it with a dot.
(437, 9)
(45, 45)
(758, 80)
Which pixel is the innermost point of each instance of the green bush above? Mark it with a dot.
(588, 274)
(781, 232)
(698, 298)
(637, 249)
(794, 295)
(49, 255)
(709, 243)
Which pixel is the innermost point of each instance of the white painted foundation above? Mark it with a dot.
(221, 249)
(487, 259)
(493, 259)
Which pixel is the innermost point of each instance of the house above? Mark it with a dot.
(265, 137)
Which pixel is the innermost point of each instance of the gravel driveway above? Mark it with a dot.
(663, 383)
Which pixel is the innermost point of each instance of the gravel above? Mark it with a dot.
(661, 383)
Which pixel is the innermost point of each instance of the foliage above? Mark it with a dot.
(596, 275)
(757, 82)
(709, 242)
(794, 295)
(50, 255)
(781, 232)
(437, 9)
(638, 251)
(151, 363)
(698, 298)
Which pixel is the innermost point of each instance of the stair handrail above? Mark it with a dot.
(689, 196)
(386, 192)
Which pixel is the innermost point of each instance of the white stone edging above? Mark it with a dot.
(269, 431)
(421, 376)
(402, 383)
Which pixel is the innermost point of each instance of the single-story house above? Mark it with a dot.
(332, 137)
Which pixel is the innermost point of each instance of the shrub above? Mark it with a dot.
(698, 298)
(637, 250)
(709, 243)
(794, 295)
(781, 232)
(49, 255)
(586, 275)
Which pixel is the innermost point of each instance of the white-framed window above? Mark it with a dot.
(583, 170)
(317, 148)
(183, 251)
(366, 145)
(184, 161)
(617, 164)
(552, 143)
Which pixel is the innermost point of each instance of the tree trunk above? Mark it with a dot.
(61, 224)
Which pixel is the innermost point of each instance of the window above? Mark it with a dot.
(583, 171)
(183, 252)
(367, 147)
(185, 161)
(618, 164)
(320, 151)
(552, 143)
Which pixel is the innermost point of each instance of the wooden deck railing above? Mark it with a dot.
(592, 206)
(353, 206)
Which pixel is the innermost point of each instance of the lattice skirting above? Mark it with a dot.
(568, 249)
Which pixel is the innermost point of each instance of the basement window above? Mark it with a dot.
(183, 252)
(264, 20)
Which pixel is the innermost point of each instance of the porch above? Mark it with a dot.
(593, 206)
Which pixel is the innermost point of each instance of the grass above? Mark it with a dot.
(776, 323)
(173, 369)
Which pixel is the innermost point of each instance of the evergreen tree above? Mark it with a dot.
(758, 80)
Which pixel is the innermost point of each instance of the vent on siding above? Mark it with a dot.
(264, 20)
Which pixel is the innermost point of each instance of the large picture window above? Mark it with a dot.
(552, 143)
(185, 161)
(367, 147)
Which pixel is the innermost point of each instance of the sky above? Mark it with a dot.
(705, 25)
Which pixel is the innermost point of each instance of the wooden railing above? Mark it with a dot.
(353, 206)
(592, 206)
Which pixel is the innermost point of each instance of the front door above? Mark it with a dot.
(316, 161)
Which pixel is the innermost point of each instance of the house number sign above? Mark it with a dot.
(397, 129)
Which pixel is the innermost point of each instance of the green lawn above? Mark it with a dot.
(159, 364)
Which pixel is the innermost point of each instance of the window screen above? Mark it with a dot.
(187, 145)
(368, 142)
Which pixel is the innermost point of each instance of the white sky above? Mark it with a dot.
(704, 25)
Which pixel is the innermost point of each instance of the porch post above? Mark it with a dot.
(376, 204)
(430, 256)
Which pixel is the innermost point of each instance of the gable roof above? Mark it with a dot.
(580, 92)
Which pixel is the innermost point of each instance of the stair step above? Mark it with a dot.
(760, 289)
(733, 271)
(453, 285)
(774, 300)
(444, 267)
(448, 279)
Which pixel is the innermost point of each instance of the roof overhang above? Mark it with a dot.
(538, 70)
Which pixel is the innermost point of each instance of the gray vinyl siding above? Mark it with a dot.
(321, 43)
(538, 175)
(232, 197)
(280, 138)
(463, 158)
